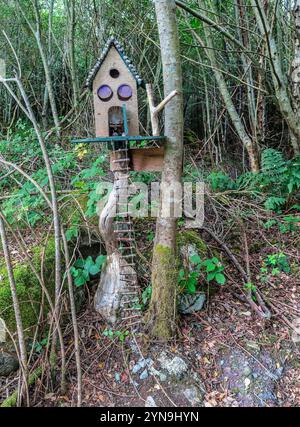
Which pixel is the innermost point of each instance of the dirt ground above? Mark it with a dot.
(237, 359)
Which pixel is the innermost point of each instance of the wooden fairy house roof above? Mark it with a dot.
(131, 68)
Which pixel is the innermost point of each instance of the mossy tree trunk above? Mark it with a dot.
(161, 316)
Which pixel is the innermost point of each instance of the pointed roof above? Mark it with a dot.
(112, 42)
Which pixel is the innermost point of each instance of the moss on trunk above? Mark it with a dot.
(28, 288)
(161, 317)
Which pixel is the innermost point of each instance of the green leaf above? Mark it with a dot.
(191, 288)
(220, 278)
(94, 269)
(100, 260)
(71, 232)
(210, 267)
(79, 263)
(195, 259)
(88, 263)
(80, 280)
(210, 276)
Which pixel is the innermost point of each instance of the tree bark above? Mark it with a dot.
(37, 34)
(295, 78)
(162, 311)
(70, 12)
(246, 140)
(15, 299)
(279, 79)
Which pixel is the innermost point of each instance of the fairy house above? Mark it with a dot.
(114, 82)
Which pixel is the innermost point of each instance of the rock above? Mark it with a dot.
(162, 377)
(247, 371)
(8, 363)
(175, 366)
(144, 375)
(193, 395)
(189, 304)
(252, 380)
(150, 402)
(187, 251)
(142, 363)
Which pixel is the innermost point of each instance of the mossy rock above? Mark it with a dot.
(28, 288)
(191, 237)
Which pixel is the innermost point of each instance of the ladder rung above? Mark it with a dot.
(121, 160)
(129, 293)
(131, 317)
(128, 274)
(125, 239)
(123, 222)
(131, 309)
(128, 256)
(129, 281)
(129, 301)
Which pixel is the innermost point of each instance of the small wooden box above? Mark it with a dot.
(142, 159)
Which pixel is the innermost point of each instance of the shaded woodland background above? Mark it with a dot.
(57, 43)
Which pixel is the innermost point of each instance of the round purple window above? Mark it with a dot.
(105, 93)
(124, 92)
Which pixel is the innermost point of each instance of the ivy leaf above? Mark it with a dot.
(94, 269)
(71, 232)
(79, 263)
(80, 280)
(88, 263)
(100, 260)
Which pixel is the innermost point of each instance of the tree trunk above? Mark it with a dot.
(279, 79)
(15, 299)
(246, 140)
(70, 12)
(295, 78)
(162, 311)
(37, 34)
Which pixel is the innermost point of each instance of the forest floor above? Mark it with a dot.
(226, 357)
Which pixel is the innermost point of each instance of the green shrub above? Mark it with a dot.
(278, 182)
